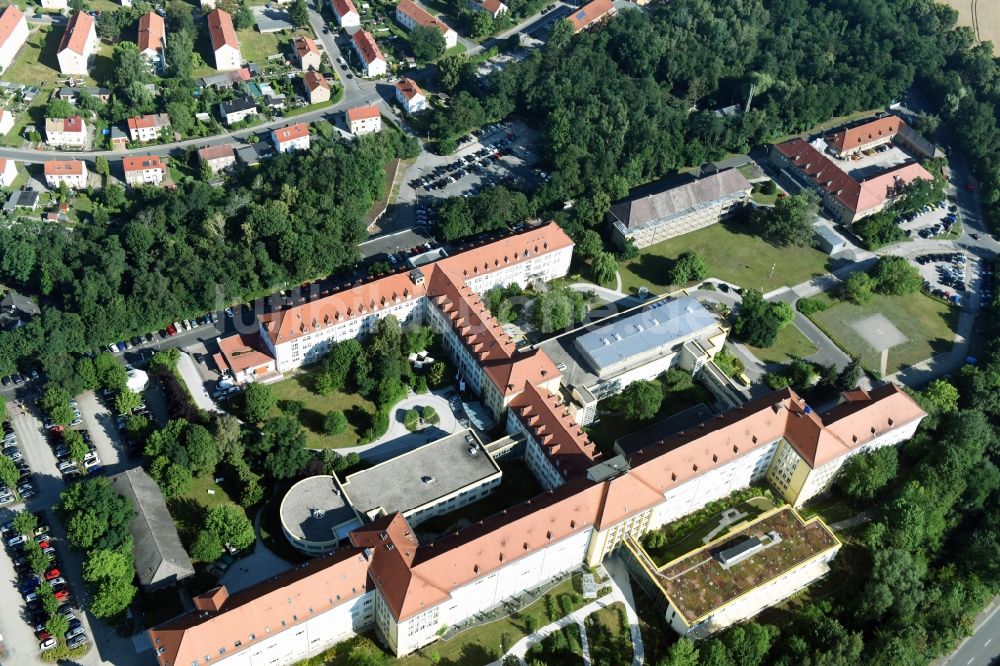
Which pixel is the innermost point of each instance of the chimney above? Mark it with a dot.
(212, 600)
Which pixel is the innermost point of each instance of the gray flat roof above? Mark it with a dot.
(422, 475)
(313, 507)
(644, 331)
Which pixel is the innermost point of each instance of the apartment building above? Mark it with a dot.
(71, 172)
(291, 138)
(410, 96)
(147, 128)
(6, 122)
(492, 7)
(414, 589)
(347, 15)
(218, 158)
(373, 63)
(78, 45)
(13, 35)
(364, 119)
(225, 45)
(143, 170)
(409, 14)
(674, 209)
(847, 199)
(307, 55)
(235, 110)
(152, 39)
(591, 14)
(69, 132)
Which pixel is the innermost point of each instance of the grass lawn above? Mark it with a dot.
(733, 254)
(36, 64)
(790, 343)
(256, 46)
(355, 407)
(608, 635)
(190, 509)
(694, 539)
(764, 199)
(481, 644)
(831, 508)
(928, 324)
(613, 425)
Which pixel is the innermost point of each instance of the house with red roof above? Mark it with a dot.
(291, 138)
(307, 55)
(72, 173)
(144, 170)
(218, 158)
(317, 88)
(69, 132)
(153, 39)
(591, 14)
(410, 96)
(8, 172)
(492, 7)
(373, 63)
(225, 45)
(78, 45)
(13, 35)
(410, 15)
(347, 15)
(364, 119)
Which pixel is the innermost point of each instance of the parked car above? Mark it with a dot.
(77, 641)
(47, 644)
(18, 540)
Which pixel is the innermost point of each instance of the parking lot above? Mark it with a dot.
(931, 221)
(501, 154)
(955, 276)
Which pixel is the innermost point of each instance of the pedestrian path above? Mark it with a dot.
(621, 590)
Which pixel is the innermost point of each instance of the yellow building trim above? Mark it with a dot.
(643, 558)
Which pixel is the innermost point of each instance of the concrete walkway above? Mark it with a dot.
(621, 590)
(865, 516)
(256, 567)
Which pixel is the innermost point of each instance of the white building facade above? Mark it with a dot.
(13, 35)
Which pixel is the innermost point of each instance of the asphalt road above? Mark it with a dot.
(982, 647)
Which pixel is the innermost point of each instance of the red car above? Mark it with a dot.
(43, 635)
(970, 186)
(62, 595)
(43, 544)
(52, 574)
(171, 330)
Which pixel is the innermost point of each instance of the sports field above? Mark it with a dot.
(983, 16)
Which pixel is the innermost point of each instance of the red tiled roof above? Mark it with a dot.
(363, 112)
(215, 152)
(560, 437)
(421, 16)
(861, 135)
(242, 351)
(148, 120)
(64, 168)
(142, 163)
(221, 30)
(492, 6)
(314, 80)
(366, 45)
(304, 46)
(408, 88)
(343, 7)
(77, 30)
(590, 13)
(72, 124)
(151, 32)
(8, 21)
(291, 133)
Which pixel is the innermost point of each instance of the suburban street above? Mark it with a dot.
(981, 648)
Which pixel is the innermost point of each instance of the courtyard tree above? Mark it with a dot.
(55, 403)
(78, 448)
(940, 397)
(790, 221)
(299, 13)
(258, 401)
(206, 547)
(859, 287)
(896, 276)
(230, 524)
(605, 267)
(9, 473)
(334, 422)
(758, 322)
(25, 522)
(427, 43)
(641, 400)
(127, 400)
(850, 376)
(435, 373)
(689, 267)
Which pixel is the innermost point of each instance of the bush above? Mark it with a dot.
(411, 419)
(808, 306)
(768, 187)
(430, 415)
(206, 547)
(378, 426)
(334, 423)
(776, 380)
(726, 361)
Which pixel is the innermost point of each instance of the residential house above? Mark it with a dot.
(410, 96)
(291, 138)
(13, 35)
(152, 39)
(78, 45)
(372, 61)
(492, 7)
(317, 88)
(160, 558)
(591, 14)
(68, 132)
(144, 169)
(235, 110)
(410, 15)
(6, 122)
(225, 46)
(21, 199)
(674, 207)
(8, 172)
(307, 55)
(347, 15)
(147, 128)
(218, 158)
(364, 119)
(71, 172)
(119, 140)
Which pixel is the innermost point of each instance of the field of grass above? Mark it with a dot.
(790, 343)
(316, 407)
(608, 635)
(35, 115)
(928, 324)
(482, 644)
(694, 538)
(190, 509)
(985, 22)
(37, 64)
(733, 254)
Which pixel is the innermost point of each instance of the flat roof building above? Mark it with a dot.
(315, 516)
(428, 481)
(739, 574)
(678, 207)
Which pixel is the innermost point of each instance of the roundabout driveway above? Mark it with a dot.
(398, 439)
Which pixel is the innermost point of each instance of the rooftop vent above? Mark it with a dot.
(427, 479)
(318, 513)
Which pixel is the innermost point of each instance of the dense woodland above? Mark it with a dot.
(161, 254)
(634, 100)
